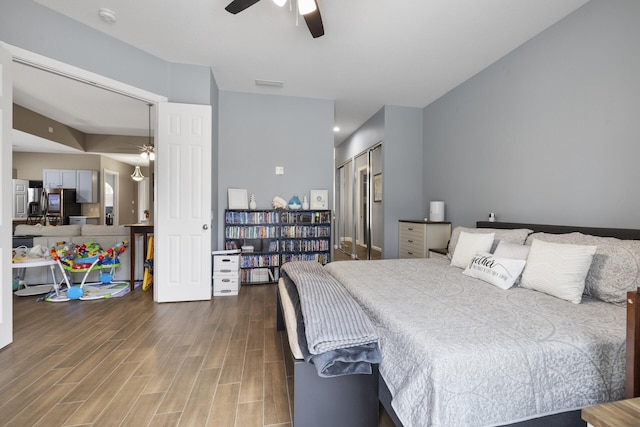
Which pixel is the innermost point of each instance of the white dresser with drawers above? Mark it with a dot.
(416, 237)
(226, 273)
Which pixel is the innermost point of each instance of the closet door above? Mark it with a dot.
(344, 208)
(360, 205)
(377, 204)
(361, 212)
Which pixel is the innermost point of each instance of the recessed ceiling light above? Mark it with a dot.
(270, 83)
(336, 128)
(107, 15)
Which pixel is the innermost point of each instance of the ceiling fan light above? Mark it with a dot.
(280, 2)
(143, 154)
(137, 174)
(306, 6)
(152, 156)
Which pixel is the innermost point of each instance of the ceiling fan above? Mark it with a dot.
(308, 9)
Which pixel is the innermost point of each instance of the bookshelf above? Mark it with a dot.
(269, 238)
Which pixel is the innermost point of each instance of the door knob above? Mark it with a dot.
(205, 227)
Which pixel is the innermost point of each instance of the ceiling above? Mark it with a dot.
(373, 53)
(84, 107)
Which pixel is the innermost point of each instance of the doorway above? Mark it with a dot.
(111, 197)
(144, 211)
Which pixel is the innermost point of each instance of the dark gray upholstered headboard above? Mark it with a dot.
(620, 233)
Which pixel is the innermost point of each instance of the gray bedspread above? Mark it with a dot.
(457, 351)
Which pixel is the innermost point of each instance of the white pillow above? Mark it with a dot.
(518, 235)
(512, 250)
(468, 245)
(558, 269)
(500, 272)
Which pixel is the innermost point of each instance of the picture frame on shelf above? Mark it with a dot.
(319, 199)
(377, 187)
(238, 198)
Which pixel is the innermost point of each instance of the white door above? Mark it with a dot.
(20, 198)
(6, 225)
(182, 226)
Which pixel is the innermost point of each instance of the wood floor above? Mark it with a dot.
(131, 362)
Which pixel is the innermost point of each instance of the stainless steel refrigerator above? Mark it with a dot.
(37, 201)
(62, 202)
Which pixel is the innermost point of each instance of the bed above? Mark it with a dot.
(459, 351)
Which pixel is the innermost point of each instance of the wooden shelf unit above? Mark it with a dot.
(269, 238)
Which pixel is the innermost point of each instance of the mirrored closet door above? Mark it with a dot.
(359, 219)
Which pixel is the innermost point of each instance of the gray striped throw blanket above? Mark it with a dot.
(339, 335)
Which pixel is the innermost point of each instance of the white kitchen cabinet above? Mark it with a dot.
(87, 186)
(59, 178)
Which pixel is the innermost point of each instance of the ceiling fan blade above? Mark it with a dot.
(314, 22)
(239, 5)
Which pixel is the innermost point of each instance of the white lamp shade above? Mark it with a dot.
(280, 2)
(436, 211)
(306, 6)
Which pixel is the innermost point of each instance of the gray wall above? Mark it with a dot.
(367, 135)
(548, 134)
(258, 133)
(38, 29)
(403, 193)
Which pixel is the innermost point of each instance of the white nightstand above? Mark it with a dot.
(438, 253)
(416, 238)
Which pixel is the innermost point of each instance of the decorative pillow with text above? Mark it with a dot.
(500, 272)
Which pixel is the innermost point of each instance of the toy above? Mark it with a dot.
(279, 203)
(75, 292)
(86, 258)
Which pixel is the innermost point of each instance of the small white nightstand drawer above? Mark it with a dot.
(226, 264)
(412, 254)
(411, 231)
(225, 286)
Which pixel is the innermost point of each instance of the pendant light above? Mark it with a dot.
(137, 174)
(148, 152)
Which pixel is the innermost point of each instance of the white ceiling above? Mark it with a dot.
(373, 53)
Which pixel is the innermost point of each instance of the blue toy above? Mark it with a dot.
(75, 292)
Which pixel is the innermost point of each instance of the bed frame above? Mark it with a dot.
(343, 401)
